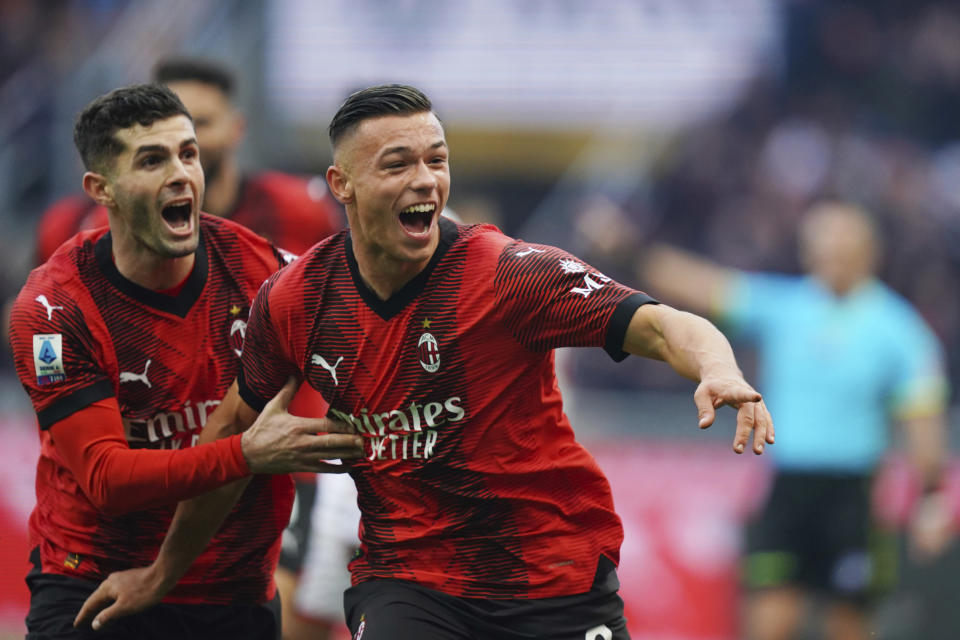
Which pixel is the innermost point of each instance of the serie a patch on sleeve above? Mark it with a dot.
(48, 358)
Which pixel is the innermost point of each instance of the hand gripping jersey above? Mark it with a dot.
(473, 483)
(82, 333)
(291, 211)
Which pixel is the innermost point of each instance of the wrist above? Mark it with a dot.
(719, 369)
(161, 577)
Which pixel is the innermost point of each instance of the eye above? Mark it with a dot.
(189, 153)
(150, 161)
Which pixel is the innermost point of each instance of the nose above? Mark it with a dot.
(178, 173)
(424, 179)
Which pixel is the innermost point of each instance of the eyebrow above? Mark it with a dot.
(159, 148)
(404, 149)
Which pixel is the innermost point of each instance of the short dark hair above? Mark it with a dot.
(202, 70)
(373, 102)
(143, 104)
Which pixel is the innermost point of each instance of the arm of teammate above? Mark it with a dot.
(118, 479)
(685, 279)
(697, 350)
(277, 442)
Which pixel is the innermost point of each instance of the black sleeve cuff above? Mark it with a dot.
(247, 395)
(620, 320)
(68, 405)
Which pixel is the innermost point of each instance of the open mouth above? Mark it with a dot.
(177, 216)
(417, 218)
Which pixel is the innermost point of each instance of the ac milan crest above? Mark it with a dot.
(429, 352)
(238, 328)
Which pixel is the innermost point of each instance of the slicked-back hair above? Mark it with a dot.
(374, 102)
(95, 128)
(202, 70)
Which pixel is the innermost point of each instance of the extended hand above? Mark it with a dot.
(752, 414)
(279, 442)
(931, 527)
(123, 593)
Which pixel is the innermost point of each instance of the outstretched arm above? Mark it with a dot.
(697, 350)
(686, 279)
(277, 442)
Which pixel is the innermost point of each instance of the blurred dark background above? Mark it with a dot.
(595, 126)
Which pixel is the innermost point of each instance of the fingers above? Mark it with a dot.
(97, 600)
(282, 400)
(320, 425)
(705, 409)
(745, 425)
(105, 617)
(759, 429)
(336, 426)
(333, 445)
(769, 420)
(753, 417)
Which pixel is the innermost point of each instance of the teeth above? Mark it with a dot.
(420, 208)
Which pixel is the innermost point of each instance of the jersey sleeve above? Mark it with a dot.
(54, 351)
(117, 479)
(265, 364)
(920, 387)
(548, 298)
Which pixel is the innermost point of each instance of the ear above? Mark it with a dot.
(340, 184)
(98, 187)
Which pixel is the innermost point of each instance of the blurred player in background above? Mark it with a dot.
(481, 515)
(291, 211)
(841, 355)
(126, 339)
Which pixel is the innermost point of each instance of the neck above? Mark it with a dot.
(142, 266)
(385, 275)
(223, 190)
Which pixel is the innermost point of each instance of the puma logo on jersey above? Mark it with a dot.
(126, 376)
(42, 299)
(318, 359)
(528, 251)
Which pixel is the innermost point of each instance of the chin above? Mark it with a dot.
(180, 249)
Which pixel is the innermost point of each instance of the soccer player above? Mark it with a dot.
(842, 357)
(481, 515)
(291, 211)
(126, 340)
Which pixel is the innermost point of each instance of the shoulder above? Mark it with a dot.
(898, 312)
(223, 231)
(292, 189)
(479, 239)
(218, 228)
(240, 249)
(309, 270)
(52, 293)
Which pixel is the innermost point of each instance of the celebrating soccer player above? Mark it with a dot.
(126, 340)
(481, 514)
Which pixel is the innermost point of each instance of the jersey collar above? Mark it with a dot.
(387, 309)
(178, 305)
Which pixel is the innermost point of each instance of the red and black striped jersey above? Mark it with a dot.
(81, 333)
(293, 212)
(473, 482)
